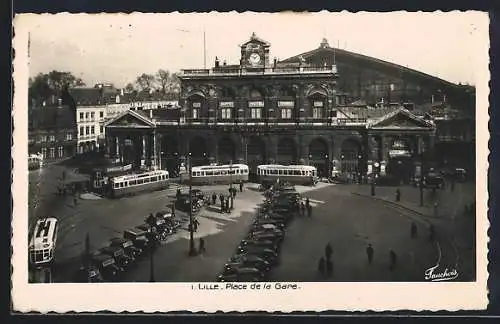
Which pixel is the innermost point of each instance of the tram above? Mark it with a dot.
(294, 174)
(43, 241)
(131, 184)
(219, 174)
(35, 161)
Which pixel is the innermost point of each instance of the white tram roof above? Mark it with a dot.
(219, 167)
(140, 175)
(287, 167)
(43, 233)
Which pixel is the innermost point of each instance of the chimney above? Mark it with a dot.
(59, 102)
(216, 62)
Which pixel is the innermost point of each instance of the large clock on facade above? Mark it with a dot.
(254, 58)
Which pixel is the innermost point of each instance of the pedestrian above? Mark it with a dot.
(329, 268)
(227, 206)
(321, 266)
(302, 208)
(328, 251)
(413, 230)
(202, 248)
(307, 201)
(309, 211)
(75, 200)
(214, 198)
(369, 253)
(196, 224)
(221, 198)
(392, 259)
(241, 186)
(398, 195)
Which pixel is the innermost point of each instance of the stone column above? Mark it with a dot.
(143, 157)
(154, 155)
(117, 149)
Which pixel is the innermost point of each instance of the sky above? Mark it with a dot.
(116, 48)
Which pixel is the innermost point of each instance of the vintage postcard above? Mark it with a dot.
(250, 162)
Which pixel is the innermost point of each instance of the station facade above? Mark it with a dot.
(267, 111)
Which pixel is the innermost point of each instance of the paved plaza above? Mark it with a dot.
(346, 216)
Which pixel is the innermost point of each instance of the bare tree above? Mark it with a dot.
(146, 82)
(169, 83)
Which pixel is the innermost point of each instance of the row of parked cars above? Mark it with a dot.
(259, 252)
(121, 253)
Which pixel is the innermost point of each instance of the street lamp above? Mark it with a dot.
(328, 173)
(231, 183)
(192, 248)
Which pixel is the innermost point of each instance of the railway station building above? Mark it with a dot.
(337, 110)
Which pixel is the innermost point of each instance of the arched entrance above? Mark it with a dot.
(199, 151)
(226, 151)
(169, 155)
(255, 154)
(287, 151)
(318, 156)
(350, 156)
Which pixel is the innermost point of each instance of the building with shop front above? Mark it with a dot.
(296, 111)
(52, 131)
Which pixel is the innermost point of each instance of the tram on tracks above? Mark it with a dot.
(43, 241)
(219, 174)
(294, 174)
(132, 184)
(35, 161)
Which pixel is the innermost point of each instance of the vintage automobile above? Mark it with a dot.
(128, 246)
(266, 236)
(88, 275)
(252, 261)
(107, 266)
(262, 221)
(138, 237)
(433, 179)
(122, 260)
(230, 274)
(273, 245)
(267, 254)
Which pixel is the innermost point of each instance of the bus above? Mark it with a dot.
(294, 174)
(43, 242)
(132, 184)
(219, 174)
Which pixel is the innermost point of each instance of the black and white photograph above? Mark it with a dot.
(244, 152)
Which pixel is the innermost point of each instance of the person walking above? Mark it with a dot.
(214, 198)
(307, 202)
(202, 248)
(321, 266)
(196, 223)
(328, 251)
(392, 259)
(413, 230)
(369, 253)
(221, 198)
(309, 211)
(302, 209)
(228, 207)
(241, 186)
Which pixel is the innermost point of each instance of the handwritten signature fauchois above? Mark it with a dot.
(433, 275)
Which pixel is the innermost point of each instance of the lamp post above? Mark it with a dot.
(328, 173)
(192, 248)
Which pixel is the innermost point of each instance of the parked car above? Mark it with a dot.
(262, 221)
(88, 275)
(273, 245)
(252, 261)
(122, 260)
(433, 179)
(107, 266)
(152, 233)
(138, 237)
(238, 273)
(267, 254)
(127, 245)
(279, 233)
(266, 236)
